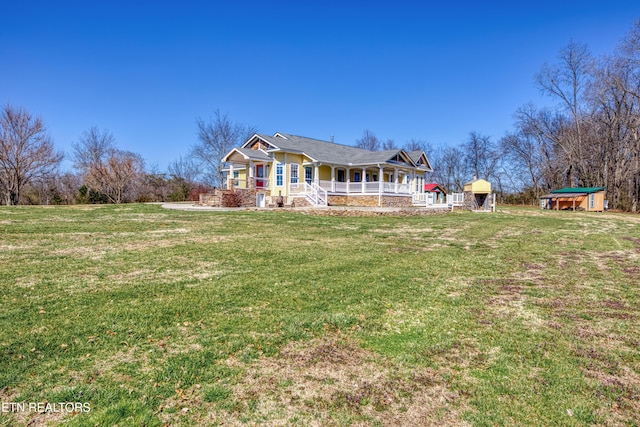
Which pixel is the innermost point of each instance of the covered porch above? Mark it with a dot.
(371, 179)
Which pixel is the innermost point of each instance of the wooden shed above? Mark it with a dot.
(577, 198)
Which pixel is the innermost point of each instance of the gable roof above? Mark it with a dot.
(419, 157)
(583, 190)
(247, 154)
(330, 152)
(433, 188)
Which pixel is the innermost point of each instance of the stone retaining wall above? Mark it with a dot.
(370, 201)
(217, 197)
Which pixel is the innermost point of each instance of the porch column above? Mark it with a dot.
(250, 181)
(230, 178)
(412, 182)
(316, 175)
(380, 186)
(285, 175)
(395, 179)
(333, 178)
(363, 180)
(348, 180)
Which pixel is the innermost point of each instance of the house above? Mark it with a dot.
(577, 198)
(477, 195)
(437, 192)
(295, 170)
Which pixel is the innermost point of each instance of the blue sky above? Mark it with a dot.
(403, 69)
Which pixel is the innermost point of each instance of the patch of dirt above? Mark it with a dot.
(330, 381)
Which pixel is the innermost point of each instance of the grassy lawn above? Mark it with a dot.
(158, 317)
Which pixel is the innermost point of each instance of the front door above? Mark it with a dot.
(259, 176)
(308, 174)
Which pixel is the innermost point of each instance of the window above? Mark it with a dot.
(308, 174)
(592, 201)
(279, 174)
(356, 177)
(341, 175)
(294, 173)
(236, 178)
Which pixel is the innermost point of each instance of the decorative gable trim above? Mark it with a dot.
(257, 142)
(401, 157)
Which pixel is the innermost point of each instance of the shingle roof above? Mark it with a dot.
(329, 152)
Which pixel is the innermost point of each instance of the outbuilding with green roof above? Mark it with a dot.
(575, 198)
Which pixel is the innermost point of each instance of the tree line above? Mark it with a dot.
(591, 137)
(105, 173)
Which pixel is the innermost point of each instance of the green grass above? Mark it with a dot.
(157, 317)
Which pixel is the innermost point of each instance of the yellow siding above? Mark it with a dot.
(479, 186)
(325, 173)
(241, 181)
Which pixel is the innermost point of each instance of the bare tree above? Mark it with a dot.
(368, 141)
(449, 168)
(480, 156)
(26, 152)
(568, 81)
(114, 173)
(184, 175)
(216, 137)
(389, 144)
(92, 148)
(184, 168)
(419, 145)
(524, 163)
(118, 177)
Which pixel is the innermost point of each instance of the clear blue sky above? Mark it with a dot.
(145, 70)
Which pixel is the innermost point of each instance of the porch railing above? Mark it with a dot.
(256, 183)
(428, 199)
(455, 199)
(372, 187)
(315, 194)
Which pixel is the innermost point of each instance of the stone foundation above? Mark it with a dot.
(370, 201)
(217, 197)
(473, 202)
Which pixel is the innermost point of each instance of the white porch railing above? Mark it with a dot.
(315, 194)
(455, 199)
(428, 199)
(371, 187)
